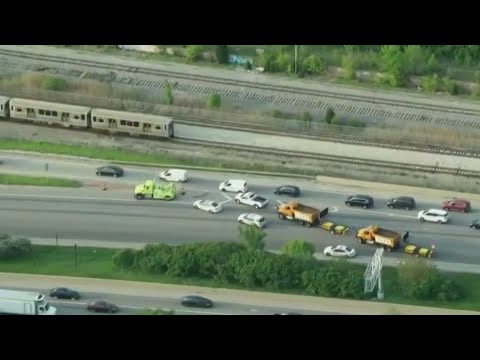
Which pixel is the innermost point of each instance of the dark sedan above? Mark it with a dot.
(290, 190)
(475, 224)
(109, 170)
(364, 201)
(402, 202)
(102, 306)
(64, 293)
(196, 301)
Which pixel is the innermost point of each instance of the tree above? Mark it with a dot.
(415, 58)
(393, 61)
(168, 94)
(306, 118)
(348, 65)
(314, 65)
(252, 236)
(193, 52)
(450, 86)
(432, 64)
(432, 83)
(221, 53)
(298, 248)
(329, 115)
(214, 101)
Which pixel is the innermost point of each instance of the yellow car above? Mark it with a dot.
(334, 228)
(419, 251)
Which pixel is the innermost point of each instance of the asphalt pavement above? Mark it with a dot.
(92, 214)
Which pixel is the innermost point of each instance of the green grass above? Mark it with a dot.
(97, 263)
(137, 157)
(8, 179)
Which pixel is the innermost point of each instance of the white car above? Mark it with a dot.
(233, 185)
(433, 215)
(208, 205)
(251, 199)
(253, 219)
(340, 251)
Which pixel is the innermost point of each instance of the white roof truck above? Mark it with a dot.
(24, 303)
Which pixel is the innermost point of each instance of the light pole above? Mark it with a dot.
(296, 59)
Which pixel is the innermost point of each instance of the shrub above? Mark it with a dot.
(356, 123)
(314, 65)
(221, 53)
(12, 248)
(450, 86)
(54, 83)
(298, 248)
(193, 52)
(125, 259)
(252, 236)
(168, 94)
(330, 115)
(214, 101)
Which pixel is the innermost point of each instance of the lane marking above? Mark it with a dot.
(333, 210)
(281, 203)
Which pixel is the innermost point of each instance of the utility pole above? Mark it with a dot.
(296, 59)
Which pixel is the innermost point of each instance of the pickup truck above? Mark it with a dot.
(251, 199)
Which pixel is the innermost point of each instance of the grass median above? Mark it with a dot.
(8, 179)
(97, 263)
(109, 154)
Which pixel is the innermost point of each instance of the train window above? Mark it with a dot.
(165, 127)
(136, 124)
(48, 112)
(1, 106)
(100, 120)
(19, 109)
(112, 121)
(123, 122)
(158, 127)
(76, 117)
(129, 123)
(41, 112)
(83, 117)
(54, 113)
(95, 118)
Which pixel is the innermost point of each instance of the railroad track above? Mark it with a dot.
(249, 91)
(337, 159)
(262, 129)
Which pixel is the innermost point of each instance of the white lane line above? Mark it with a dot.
(226, 196)
(281, 203)
(333, 210)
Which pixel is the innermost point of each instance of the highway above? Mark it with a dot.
(91, 214)
(135, 305)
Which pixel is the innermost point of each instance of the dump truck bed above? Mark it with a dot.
(307, 209)
(387, 233)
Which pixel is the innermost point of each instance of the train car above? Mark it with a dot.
(43, 112)
(132, 123)
(4, 108)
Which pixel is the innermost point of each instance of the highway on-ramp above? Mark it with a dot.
(114, 215)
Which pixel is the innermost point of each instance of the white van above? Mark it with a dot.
(234, 185)
(173, 175)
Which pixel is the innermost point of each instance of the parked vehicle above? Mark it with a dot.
(375, 235)
(196, 301)
(175, 175)
(154, 191)
(290, 190)
(433, 215)
(233, 185)
(251, 199)
(15, 302)
(306, 215)
(102, 306)
(475, 224)
(461, 205)
(339, 251)
(364, 201)
(334, 228)
(208, 205)
(402, 202)
(413, 249)
(110, 170)
(64, 293)
(253, 219)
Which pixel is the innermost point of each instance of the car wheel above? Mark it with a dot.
(222, 190)
(422, 219)
(195, 206)
(333, 232)
(472, 227)
(440, 221)
(73, 298)
(328, 254)
(241, 222)
(365, 206)
(348, 204)
(390, 206)
(407, 208)
(97, 173)
(237, 201)
(210, 211)
(255, 206)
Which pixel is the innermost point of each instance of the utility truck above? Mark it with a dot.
(24, 303)
(150, 190)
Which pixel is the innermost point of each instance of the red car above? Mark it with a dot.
(457, 205)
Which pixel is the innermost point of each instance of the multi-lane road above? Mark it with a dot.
(113, 215)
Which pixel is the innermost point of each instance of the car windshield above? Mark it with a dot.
(348, 249)
(261, 219)
(214, 204)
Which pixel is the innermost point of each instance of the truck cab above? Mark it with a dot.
(154, 191)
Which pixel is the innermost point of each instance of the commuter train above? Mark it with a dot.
(84, 117)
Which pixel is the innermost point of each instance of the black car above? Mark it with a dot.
(290, 190)
(402, 202)
(102, 306)
(196, 301)
(475, 224)
(64, 293)
(109, 170)
(364, 201)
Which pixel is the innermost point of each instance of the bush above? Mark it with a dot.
(55, 84)
(348, 65)
(125, 259)
(193, 52)
(431, 83)
(169, 100)
(252, 236)
(12, 248)
(306, 116)
(221, 53)
(356, 123)
(336, 121)
(329, 116)
(450, 86)
(419, 280)
(214, 101)
(314, 65)
(298, 248)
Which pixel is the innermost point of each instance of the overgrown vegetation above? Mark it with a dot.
(9, 179)
(12, 248)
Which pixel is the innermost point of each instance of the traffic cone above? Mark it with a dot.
(104, 187)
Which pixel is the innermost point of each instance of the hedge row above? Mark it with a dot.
(13, 248)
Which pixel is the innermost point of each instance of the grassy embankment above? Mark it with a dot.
(97, 263)
(9, 179)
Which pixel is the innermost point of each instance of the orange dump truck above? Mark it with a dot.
(306, 215)
(375, 235)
